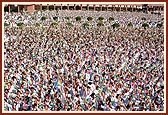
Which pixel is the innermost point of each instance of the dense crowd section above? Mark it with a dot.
(72, 68)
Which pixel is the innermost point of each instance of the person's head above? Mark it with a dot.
(80, 108)
(27, 92)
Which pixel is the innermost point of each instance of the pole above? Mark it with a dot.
(81, 7)
(9, 8)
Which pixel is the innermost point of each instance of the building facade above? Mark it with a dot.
(87, 7)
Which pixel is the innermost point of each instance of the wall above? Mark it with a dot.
(31, 8)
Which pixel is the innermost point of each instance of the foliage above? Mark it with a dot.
(67, 17)
(69, 24)
(64, 7)
(19, 17)
(89, 18)
(116, 25)
(44, 8)
(27, 12)
(78, 18)
(130, 24)
(55, 18)
(145, 25)
(35, 12)
(33, 17)
(55, 23)
(85, 24)
(20, 24)
(37, 24)
(5, 9)
(101, 18)
(14, 9)
(7, 17)
(43, 18)
(6, 24)
(157, 13)
(51, 7)
(111, 19)
(159, 25)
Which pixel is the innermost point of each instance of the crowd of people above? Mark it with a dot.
(72, 68)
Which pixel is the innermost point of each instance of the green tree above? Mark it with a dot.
(37, 24)
(7, 17)
(89, 18)
(78, 18)
(54, 23)
(43, 18)
(27, 12)
(111, 19)
(159, 25)
(14, 9)
(145, 25)
(55, 18)
(6, 24)
(116, 25)
(33, 17)
(19, 17)
(35, 12)
(101, 18)
(85, 24)
(5, 9)
(130, 24)
(67, 17)
(20, 24)
(51, 7)
(70, 24)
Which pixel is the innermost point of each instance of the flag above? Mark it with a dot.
(162, 94)
(58, 83)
